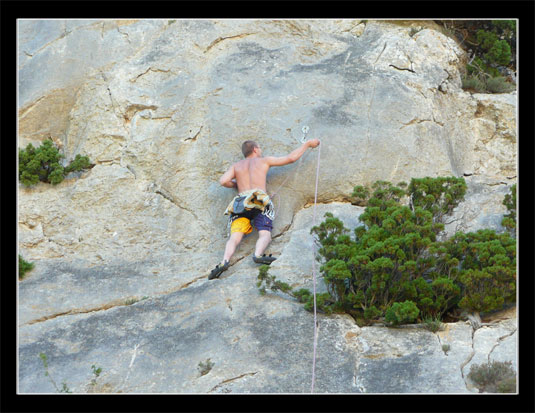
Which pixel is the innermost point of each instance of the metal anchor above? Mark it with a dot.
(305, 131)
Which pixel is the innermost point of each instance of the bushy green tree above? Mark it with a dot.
(388, 258)
(394, 263)
(402, 313)
(43, 164)
(496, 50)
(485, 268)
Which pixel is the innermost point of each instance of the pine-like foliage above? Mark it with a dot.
(394, 266)
(43, 164)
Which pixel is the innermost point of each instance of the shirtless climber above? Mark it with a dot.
(253, 205)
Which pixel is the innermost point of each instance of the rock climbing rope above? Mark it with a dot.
(314, 272)
(305, 130)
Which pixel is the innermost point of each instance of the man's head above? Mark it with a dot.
(248, 147)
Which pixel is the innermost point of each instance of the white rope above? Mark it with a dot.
(314, 273)
(314, 255)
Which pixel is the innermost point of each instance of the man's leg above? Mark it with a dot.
(232, 244)
(264, 238)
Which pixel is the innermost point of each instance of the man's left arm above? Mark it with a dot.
(228, 179)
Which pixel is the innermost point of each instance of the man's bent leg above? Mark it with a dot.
(264, 238)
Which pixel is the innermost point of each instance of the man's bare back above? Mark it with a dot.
(251, 173)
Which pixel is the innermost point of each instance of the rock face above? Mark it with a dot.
(122, 251)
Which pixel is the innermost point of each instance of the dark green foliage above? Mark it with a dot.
(270, 281)
(495, 50)
(509, 220)
(24, 267)
(484, 266)
(492, 46)
(394, 266)
(324, 301)
(395, 256)
(436, 297)
(402, 313)
(43, 164)
(494, 377)
(78, 163)
(388, 259)
(437, 195)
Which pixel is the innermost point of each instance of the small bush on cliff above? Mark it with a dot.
(509, 220)
(24, 267)
(402, 313)
(494, 377)
(43, 164)
(395, 264)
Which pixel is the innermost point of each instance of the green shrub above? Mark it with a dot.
(493, 44)
(432, 324)
(388, 259)
(394, 263)
(324, 301)
(270, 282)
(473, 82)
(402, 313)
(77, 164)
(437, 195)
(499, 85)
(494, 377)
(24, 267)
(509, 220)
(484, 266)
(485, 84)
(496, 51)
(43, 164)
(436, 297)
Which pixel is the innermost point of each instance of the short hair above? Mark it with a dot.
(247, 147)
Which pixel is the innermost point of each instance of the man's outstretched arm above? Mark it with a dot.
(292, 156)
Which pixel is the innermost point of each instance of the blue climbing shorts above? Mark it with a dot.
(245, 222)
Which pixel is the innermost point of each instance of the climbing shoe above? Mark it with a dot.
(264, 259)
(219, 268)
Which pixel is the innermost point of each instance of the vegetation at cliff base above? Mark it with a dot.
(43, 164)
(395, 268)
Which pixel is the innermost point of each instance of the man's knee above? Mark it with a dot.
(265, 234)
(236, 237)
